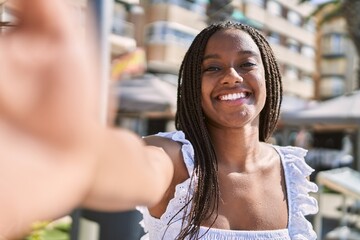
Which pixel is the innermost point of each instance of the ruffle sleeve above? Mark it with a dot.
(171, 221)
(297, 173)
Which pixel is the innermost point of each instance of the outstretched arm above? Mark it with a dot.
(55, 155)
(140, 178)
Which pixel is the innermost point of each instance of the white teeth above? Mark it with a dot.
(233, 96)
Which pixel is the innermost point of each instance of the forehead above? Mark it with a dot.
(231, 40)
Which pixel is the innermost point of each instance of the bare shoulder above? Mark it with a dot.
(159, 141)
(171, 147)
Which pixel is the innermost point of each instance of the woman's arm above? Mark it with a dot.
(174, 151)
(55, 154)
(129, 173)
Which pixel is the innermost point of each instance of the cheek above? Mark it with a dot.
(205, 98)
(260, 79)
(264, 93)
(206, 89)
(261, 85)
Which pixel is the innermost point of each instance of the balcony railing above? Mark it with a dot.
(123, 28)
(194, 7)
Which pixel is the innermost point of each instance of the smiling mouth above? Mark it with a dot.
(233, 96)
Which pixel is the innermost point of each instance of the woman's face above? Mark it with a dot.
(233, 82)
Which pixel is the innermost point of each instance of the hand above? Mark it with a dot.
(48, 116)
(48, 75)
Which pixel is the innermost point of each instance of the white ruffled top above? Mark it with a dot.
(297, 185)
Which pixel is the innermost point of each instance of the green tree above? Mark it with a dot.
(347, 9)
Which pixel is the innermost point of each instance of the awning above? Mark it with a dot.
(146, 95)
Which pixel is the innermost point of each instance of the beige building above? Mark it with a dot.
(169, 28)
(337, 60)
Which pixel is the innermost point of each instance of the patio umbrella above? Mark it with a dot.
(146, 94)
(342, 110)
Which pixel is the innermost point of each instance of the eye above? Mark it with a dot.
(248, 65)
(211, 69)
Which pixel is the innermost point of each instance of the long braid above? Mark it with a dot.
(190, 119)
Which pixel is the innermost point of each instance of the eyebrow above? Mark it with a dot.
(243, 52)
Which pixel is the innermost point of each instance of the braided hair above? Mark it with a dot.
(190, 119)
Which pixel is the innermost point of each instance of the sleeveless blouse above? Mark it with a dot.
(298, 187)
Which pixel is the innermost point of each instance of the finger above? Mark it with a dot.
(44, 16)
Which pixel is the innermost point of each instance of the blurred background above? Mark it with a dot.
(317, 45)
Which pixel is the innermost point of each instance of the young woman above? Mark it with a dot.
(228, 182)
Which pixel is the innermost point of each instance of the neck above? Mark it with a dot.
(237, 148)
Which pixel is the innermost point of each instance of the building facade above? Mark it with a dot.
(169, 28)
(337, 60)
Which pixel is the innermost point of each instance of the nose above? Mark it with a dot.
(231, 76)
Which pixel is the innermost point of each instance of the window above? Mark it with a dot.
(306, 78)
(310, 25)
(274, 8)
(308, 51)
(294, 18)
(119, 24)
(333, 43)
(332, 86)
(164, 32)
(198, 6)
(293, 45)
(291, 73)
(274, 38)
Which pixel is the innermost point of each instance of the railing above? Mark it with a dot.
(123, 28)
(194, 7)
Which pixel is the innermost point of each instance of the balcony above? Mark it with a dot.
(284, 55)
(331, 87)
(166, 57)
(176, 14)
(334, 66)
(279, 25)
(302, 89)
(166, 44)
(122, 37)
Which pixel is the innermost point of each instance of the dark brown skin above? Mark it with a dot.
(255, 194)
